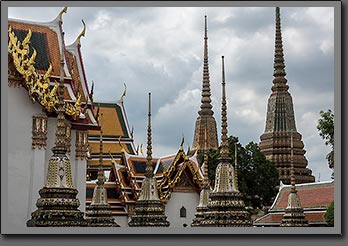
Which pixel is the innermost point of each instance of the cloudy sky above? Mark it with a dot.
(160, 50)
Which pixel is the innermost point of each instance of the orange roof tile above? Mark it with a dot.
(310, 196)
(52, 45)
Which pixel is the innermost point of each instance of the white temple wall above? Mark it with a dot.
(21, 157)
(122, 220)
(78, 172)
(188, 200)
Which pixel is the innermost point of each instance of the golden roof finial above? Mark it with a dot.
(188, 149)
(64, 10)
(182, 142)
(83, 32)
(112, 158)
(124, 92)
(141, 149)
(119, 142)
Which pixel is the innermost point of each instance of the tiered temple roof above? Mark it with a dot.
(173, 173)
(280, 123)
(315, 199)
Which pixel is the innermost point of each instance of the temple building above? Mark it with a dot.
(205, 123)
(315, 198)
(280, 123)
(34, 74)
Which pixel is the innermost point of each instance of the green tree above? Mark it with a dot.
(326, 131)
(257, 177)
(329, 215)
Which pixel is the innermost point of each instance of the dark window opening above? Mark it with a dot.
(182, 212)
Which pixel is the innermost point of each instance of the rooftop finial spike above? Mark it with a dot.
(83, 32)
(64, 10)
(224, 151)
(279, 80)
(148, 170)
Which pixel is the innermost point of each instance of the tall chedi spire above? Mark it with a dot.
(280, 122)
(204, 195)
(226, 206)
(294, 215)
(58, 205)
(99, 213)
(205, 121)
(149, 210)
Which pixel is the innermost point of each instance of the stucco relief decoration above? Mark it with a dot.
(81, 145)
(68, 137)
(39, 131)
(38, 85)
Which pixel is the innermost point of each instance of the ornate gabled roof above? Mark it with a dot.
(181, 167)
(315, 198)
(46, 41)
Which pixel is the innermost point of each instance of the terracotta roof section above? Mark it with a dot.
(311, 195)
(50, 43)
(314, 198)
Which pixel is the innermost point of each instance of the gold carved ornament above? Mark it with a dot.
(38, 85)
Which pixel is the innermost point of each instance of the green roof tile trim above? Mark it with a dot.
(119, 114)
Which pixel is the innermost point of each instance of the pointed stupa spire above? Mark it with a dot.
(224, 151)
(206, 107)
(58, 185)
(280, 122)
(294, 215)
(205, 118)
(99, 213)
(149, 169)
(279, 74)
(100, 176)
(149, 210)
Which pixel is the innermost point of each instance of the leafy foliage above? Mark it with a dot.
(257, 177)
(326, 131)
(329, 215)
